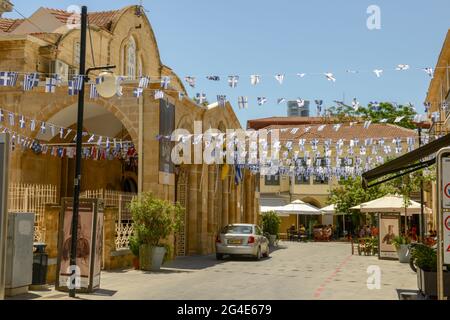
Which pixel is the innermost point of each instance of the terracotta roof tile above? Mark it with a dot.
(346, 132)
(9, 25)
(101, 19)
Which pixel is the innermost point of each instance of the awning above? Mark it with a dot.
(331, 209)
(391, 203)
(299, 207)
(409, 162)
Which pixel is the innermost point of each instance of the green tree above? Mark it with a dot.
(350, 192)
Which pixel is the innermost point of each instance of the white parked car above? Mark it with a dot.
(242, 240)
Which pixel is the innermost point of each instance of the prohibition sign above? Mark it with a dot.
(447, 223)
(447, 190)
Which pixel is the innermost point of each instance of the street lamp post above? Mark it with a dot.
(79, 143)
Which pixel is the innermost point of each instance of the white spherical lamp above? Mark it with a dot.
(108, 86)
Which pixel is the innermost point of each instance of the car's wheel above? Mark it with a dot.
(219, 256)
(267, 253)
(258, 254)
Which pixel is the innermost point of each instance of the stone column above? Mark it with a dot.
(109, 236)
(211, 207)
(191, 225)
(225, 202)
(203, 214)
(232, 209)
(51, 216)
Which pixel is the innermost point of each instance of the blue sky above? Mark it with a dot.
(266, 37)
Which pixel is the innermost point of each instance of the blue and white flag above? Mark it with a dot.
(99, 80)
(4, 79)
(300, 103)
(11, 118)
(233, 81)
(367, 124)
(255, 79)
(1, 115)
(137, 93)
(428, 71)
(43, 128)
(73, 89)
(50, 85)
(33, 125)
(281, 100)
(427, 106)
(22, 122)
(159, 94)
(165, 81)
(355, 104)
(13, 76)
(378, 72)
(144, 81)
(190, 80)
(319, 104)
(243, 102)
(93, 93)
(200, 98)
(444, 105)
(213, 78)
(238, 175)
(402, 67)
(30, 81)
(330, 77)
(78, 82)
(181, 95)
(279, 78)
(222, 100)
(261, 100)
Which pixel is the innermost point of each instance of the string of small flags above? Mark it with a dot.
(117, 149)
(24, 123)
(32, 80)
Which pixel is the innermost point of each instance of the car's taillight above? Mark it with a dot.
(251, 239)
(218, 239)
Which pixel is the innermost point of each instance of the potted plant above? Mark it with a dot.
(401, 243)
(134, 248)
(271, 225)
(426, 261)
(154, 220)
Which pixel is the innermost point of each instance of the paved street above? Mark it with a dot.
(294, 271)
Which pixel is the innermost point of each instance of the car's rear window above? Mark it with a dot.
(238, 230)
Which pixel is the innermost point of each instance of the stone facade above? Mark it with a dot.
(210, 202)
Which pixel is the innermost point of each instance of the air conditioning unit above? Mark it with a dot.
(61, 68)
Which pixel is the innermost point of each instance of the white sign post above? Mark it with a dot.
(443, 216)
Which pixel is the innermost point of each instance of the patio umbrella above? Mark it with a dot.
(391, 203)
(299, 208)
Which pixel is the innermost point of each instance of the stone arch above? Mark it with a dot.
(312, 201)
(52, 109)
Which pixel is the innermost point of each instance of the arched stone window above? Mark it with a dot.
(131, 58)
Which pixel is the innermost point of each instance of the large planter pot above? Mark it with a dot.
(427, 283)
(272, 239)
(136, 263)
(151, 258)
(403, 253)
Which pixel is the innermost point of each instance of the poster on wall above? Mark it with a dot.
(166, 128)
(389, 229)
(89, 245)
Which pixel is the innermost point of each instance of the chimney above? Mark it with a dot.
(5, 6)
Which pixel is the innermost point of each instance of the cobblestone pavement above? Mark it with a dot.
(294, 271)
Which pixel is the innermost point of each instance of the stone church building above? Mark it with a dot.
(47, 43)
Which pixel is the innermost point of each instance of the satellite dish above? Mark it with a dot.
(108, 87)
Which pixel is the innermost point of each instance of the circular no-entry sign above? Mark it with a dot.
(447, 190)
(447, 223)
